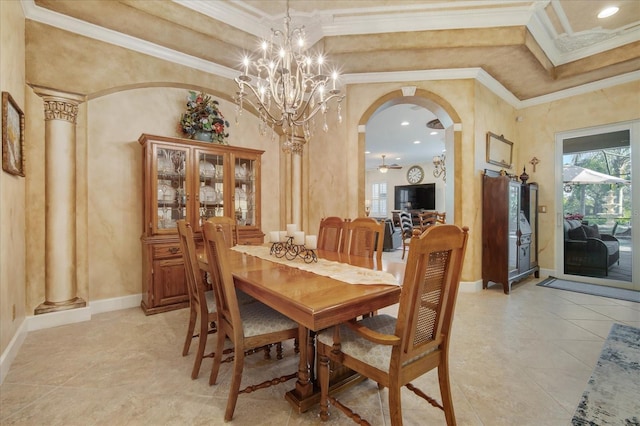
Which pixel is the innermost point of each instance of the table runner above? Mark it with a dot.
(336, 270)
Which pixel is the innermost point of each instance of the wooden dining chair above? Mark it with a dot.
(229, 228)
(395, 351)
(201, 302)
(364, 237)
(406, 225)
(331, 233)
(427, 219)
(246, 326)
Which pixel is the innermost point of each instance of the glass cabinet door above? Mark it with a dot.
(244, 196)
(514, 210)
(210, 195)
(169, 186)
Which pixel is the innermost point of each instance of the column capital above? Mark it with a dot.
(59, 105)
(294, 145)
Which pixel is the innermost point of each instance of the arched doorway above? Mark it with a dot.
(425, 104)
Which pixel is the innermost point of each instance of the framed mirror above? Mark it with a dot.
(499, 150)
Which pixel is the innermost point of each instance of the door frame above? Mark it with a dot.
(634, 133)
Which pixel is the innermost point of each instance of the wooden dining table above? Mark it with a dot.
(315, 302)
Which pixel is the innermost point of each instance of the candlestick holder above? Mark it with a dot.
(290, 251)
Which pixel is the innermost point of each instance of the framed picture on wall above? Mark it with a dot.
(12, 136)
(499, 150)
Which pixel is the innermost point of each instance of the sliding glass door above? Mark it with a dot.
(597, 205)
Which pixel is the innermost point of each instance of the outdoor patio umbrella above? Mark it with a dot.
(577, 175)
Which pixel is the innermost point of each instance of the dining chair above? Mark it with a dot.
(364, 237)
(229, 228)
(246, 326)
(331, 233)
(201, 302)
(427, 219)
(406, 225)
(394, 351)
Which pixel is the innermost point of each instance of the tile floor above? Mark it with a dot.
(522, 359)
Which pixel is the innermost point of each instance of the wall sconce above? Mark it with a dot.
(439, 167)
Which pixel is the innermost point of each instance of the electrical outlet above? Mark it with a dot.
(542, 209)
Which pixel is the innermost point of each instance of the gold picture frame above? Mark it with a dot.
(12, 136)
(499, 150)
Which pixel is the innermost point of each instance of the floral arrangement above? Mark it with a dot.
(203, 115)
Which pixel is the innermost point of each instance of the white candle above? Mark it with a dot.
(291, 228)
(274, 236)
(311, 242)
(283, 236)
(298, 238)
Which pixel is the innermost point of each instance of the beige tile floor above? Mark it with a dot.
(522, 359)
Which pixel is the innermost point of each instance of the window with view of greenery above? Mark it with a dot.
(600, 203)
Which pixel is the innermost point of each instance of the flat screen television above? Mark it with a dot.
(421, 197)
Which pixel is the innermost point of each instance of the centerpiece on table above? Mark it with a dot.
(203, 120)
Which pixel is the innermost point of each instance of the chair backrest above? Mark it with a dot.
(429, 291)
(229, 228)
(331, 233)
(406, 224)
(441, 217)
(195, 281)
(364, 237)
(224, 290)
(427, 219)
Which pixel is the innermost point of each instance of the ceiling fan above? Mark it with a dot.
(384, 168)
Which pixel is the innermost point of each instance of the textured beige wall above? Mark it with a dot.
(12, 188)
(536, 136)
(109, 166)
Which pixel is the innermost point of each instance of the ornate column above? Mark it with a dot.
(295, 145)
(60, 113)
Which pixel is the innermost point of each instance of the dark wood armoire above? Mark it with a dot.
(509, 230)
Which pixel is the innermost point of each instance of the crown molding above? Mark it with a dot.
(76, 26)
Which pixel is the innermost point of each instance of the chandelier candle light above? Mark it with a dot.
(289, 86)
(293, 243)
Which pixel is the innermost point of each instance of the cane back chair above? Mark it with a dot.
(395, 351)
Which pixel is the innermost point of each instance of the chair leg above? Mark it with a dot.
(193, 316)
(404, 248)
(279, 350)
(445, 392)
(395, 405)
(202, 343)
(323, 373)
(238, 365)
(217, 357)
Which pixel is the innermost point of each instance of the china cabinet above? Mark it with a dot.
(191, 180)
(509, 230)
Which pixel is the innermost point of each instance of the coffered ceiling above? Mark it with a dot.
(528, 49)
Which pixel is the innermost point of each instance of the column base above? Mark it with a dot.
(48, 307)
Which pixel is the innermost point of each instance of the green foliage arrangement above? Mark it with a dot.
(203, 115)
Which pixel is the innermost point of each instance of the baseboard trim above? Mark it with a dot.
(11, 352)
(470, 286)
(55, 319)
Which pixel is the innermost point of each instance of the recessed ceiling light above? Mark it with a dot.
(404, 123)
(608, 11)
(398, 158)
(416, 142)
(367, 152)
(433, 133)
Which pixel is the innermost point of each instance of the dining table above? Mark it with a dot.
(339, 288)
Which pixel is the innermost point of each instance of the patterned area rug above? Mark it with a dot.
(612, 396)
(596, 290)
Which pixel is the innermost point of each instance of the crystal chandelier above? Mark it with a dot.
(288, 86)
